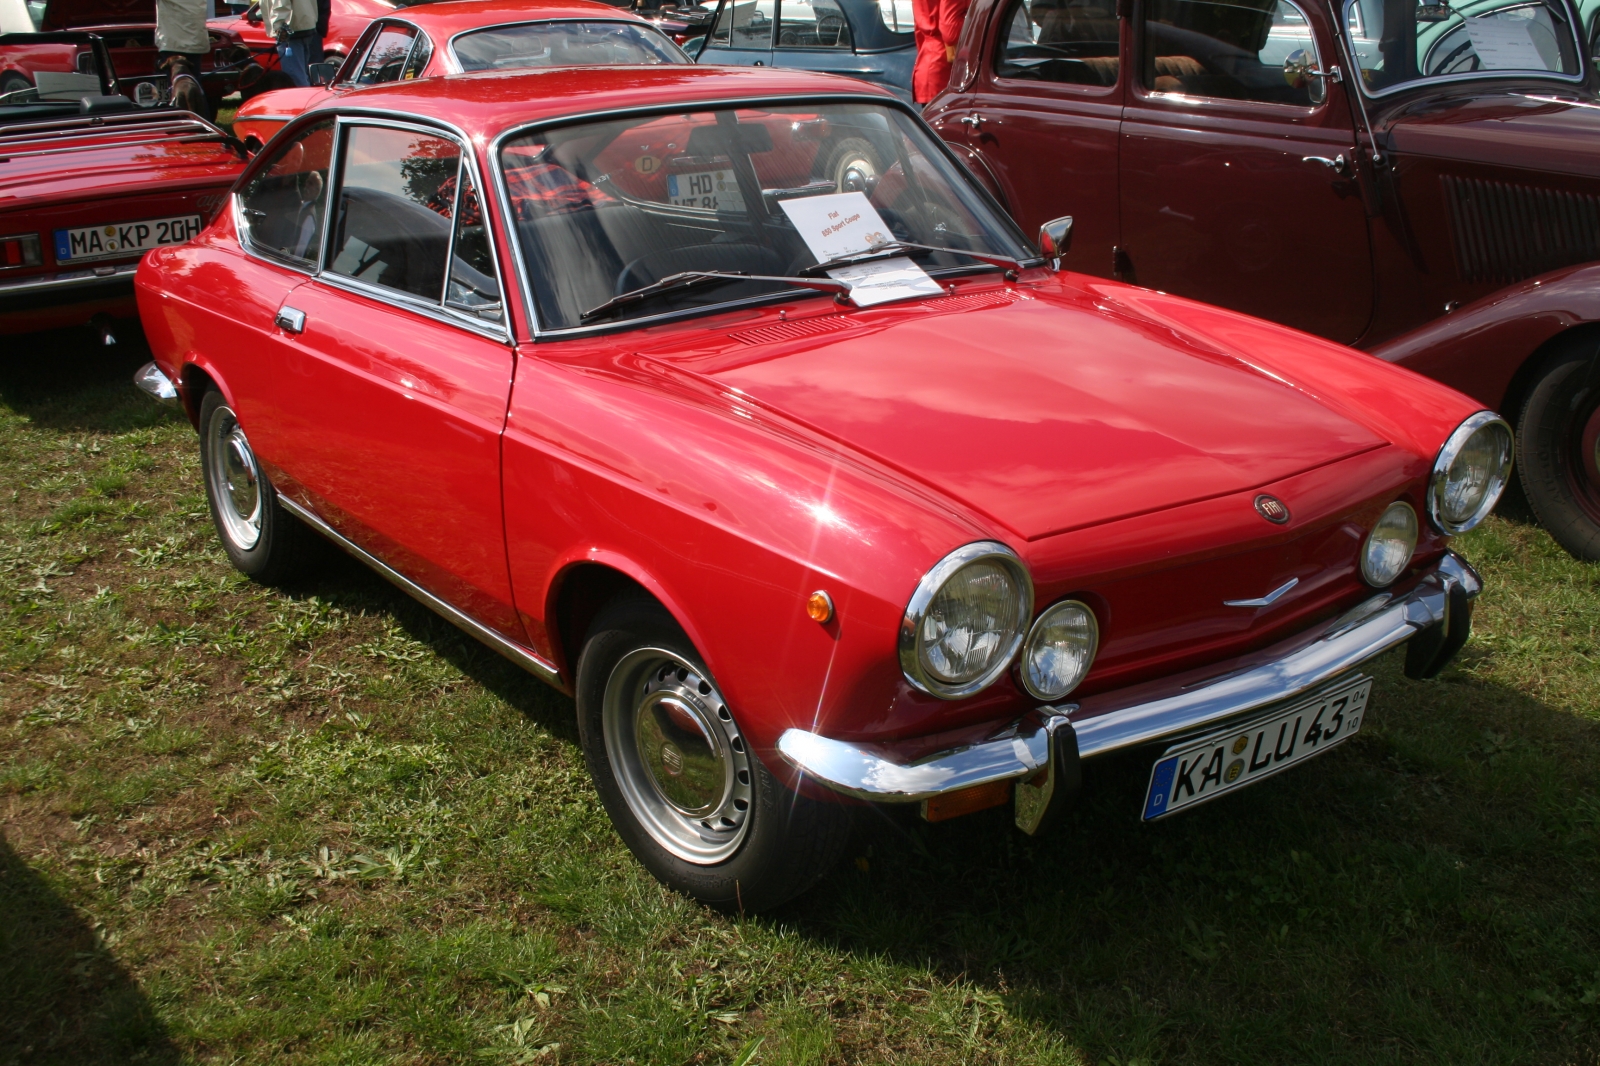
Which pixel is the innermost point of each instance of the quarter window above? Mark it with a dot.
(474, 287)
(1072, 41)
(396, 208)
(388, 56)
(813, 24)
(1232, 50)
(743, 25)
(284, 203)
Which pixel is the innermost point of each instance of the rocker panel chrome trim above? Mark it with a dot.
(523, 657)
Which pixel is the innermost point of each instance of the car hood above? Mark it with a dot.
(74, 14)
(1043, 411)
(1539, 129)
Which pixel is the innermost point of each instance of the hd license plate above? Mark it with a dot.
(1226, 762)
(714, 190)
(123, 239)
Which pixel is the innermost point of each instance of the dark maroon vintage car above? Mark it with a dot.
(1420, 181)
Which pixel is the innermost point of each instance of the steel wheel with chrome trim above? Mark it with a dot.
(677, 776)
(261, 538)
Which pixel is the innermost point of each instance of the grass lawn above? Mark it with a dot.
(319, 825)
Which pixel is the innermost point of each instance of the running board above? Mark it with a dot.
(523, 657)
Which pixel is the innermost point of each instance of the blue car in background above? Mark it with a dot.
(867, 39)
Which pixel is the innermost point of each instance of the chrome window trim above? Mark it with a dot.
(246, 243)
(439, 311)
(454, 62)
(503, 196)
(922, 596)
(1449, 451)
(358, 54)
(1574, 24)
(420, 39)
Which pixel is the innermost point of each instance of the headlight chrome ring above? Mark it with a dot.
(1470, 473)
(1387, 551)
(1059, 650)
(958, 639)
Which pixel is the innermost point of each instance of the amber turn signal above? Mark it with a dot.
(819, 607)
(966, 800)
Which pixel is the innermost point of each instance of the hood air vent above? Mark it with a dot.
(1504, 232)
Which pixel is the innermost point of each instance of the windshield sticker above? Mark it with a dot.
(846, 223)
(1504, 44)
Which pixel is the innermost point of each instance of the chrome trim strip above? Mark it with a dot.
(1269, 599)
(77, 279)
(1021, 749)
(523, 657)
(156, 384)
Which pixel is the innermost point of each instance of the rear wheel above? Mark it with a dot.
(853, 166)
(673, 769)
(261, 538)
(1558, 440)
(12, 81)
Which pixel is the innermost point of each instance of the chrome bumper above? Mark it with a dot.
(158, 385)
(71, 281)
(1024, 748)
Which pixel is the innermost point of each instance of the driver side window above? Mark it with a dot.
(284, 204)
(813, 24)
(743, 25)
(1071, 41)
(1253, 50)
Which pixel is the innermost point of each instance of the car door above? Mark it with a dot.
(1042, 116)
(817, 35)
(741, 34)
(399, 371)
(1238, 185)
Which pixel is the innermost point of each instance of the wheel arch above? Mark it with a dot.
(1532, 368)
(581, 588)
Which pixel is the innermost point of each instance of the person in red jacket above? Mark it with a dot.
(938, 24)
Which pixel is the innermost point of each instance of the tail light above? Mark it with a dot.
(20, 251)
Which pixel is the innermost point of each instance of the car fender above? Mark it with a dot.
(1481, 348)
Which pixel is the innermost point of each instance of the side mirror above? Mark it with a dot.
(1055, 238)
(322, 73)
(1300, 72)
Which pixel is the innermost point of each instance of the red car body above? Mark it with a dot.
(1391, 219)
(83, 195)
(346, 20)
(730, 464)
(436, 23)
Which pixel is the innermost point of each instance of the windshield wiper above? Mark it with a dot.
(686, 278)
(901, 247)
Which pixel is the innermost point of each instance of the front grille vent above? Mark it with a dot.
(1504, 232)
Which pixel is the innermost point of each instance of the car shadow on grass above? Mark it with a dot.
(67, 380)
(64, 998)
(1417, 895)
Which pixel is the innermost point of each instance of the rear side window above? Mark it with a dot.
(387, 59)
(396, 209)
(813, 24)
(1071, 41)
(284, 204)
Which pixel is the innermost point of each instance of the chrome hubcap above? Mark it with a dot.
(234, 479)
(679, 759)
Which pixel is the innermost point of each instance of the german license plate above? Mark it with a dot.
(714, 190)
(122, 239)
(1202, 770)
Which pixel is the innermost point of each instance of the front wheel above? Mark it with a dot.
(690, 799)
(1558, 441)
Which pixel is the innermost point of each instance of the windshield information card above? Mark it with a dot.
(844, 224)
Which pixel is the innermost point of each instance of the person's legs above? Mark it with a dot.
(292, 58)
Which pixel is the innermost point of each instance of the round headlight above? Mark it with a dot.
(1470, 473)
(966, 620)
(1059, 650)
(1388, 547)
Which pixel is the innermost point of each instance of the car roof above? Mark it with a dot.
(485, 104)
(445, 18)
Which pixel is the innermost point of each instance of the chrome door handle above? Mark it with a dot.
(290, 319)
(1338, 164)
(972, 121)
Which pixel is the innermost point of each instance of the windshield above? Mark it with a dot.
(564, 44)
(606, 208)
(1400, 42)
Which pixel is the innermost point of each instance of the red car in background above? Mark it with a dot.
(128, 29)
(814, 489)
(346, 20)
(461, 36)
(88, 182)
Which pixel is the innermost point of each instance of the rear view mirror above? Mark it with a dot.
(1055, 238)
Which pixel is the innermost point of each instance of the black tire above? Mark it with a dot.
(783, 843)
(243, 502)
(14, 82)
(1558, 457)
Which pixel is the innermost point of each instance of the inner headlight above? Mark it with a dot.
(1059, 650)
(966, 620)
(1470, 473)
(1388, 548)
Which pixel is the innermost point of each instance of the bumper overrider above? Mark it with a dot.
(1041, 752)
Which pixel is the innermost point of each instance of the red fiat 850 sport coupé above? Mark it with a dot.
(803, 491)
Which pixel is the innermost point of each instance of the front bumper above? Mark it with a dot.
(1437, 611)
